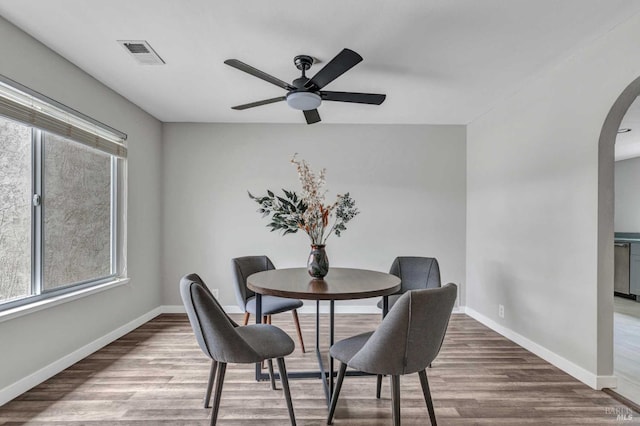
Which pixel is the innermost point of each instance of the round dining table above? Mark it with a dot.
(339, 284)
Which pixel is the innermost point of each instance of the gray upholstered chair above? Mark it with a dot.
(224, 341)
(271, 305)
(214, 365)
(415, 326)
(415, 273)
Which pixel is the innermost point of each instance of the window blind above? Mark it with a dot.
(27, 106)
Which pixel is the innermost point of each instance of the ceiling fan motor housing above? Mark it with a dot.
(303, 99)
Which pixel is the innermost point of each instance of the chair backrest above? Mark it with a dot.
(196, 278)
(242, 268)
(415, 326)
(215, 332)
(416, 272)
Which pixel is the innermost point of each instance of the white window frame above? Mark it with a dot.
(58, 119)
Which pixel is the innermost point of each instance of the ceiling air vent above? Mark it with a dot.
(142, 51)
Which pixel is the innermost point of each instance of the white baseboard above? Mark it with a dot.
(34, 379)
(173, 309)
(602, 382)
(586, 377)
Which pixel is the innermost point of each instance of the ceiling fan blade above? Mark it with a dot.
(358, 98)
(257, 73)
(342, 63)
(312, 116)
(258, 103)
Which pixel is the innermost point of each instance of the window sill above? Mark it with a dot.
(30, 308)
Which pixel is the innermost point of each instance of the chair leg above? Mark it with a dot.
(378, 385)
(395, 397)
(246, 318)
(285, 386)
(212, 375)
(273, 381)
(297, 323)
(222, 367)
(336, 392)
(427, 396)
(269, 319)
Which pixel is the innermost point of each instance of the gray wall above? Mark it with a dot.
(627, 204)
(34, 341)
(534, 209)
(408, 182)
(532, 202)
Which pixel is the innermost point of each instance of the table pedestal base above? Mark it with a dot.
(328, 377)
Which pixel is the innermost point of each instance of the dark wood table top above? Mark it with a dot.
(339, 284)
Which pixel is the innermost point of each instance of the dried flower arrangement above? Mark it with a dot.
(307, 211)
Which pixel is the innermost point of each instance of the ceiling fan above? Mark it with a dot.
(305, 93)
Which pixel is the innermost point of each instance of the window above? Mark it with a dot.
(61, 199)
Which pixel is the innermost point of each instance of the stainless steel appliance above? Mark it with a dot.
(621, 272)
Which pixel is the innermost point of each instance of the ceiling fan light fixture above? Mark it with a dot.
(304, 101)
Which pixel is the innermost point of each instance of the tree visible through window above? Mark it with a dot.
(15, 210)
(77, 213)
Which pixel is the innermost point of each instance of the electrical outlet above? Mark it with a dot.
(501, 311)
(215, 293)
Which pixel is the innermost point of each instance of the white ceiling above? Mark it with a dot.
(439, 62)
(628, 144)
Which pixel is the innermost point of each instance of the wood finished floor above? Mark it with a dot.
(156, 375)
(626, 347)
(627, 339)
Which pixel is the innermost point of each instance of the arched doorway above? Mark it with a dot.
(606, 203)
